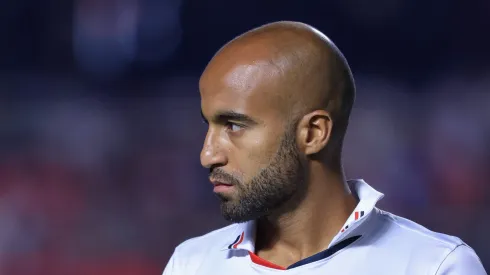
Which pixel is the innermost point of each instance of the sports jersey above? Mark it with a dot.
(371, 242)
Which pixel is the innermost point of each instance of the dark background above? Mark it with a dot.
(100, 128)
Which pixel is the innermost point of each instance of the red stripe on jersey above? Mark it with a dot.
(256, 259)
(357, 215)
(240, 241)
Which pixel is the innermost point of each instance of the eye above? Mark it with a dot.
(233, 127)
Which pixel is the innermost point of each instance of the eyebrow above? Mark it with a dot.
(225, 116)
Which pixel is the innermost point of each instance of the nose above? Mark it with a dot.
(212, 153)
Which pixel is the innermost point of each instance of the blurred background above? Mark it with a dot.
(100, 128)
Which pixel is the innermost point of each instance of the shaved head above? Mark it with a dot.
(276, 98)
(313, 72)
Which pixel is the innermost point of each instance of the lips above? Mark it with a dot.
(221, 187)
(220, 183)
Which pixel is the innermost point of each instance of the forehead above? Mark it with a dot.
(252, 88)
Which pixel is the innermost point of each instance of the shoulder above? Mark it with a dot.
(414, 233)
(461, 260)
(214, 240)
(189, 255)
(445, 254)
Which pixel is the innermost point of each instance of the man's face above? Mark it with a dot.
(250, 147)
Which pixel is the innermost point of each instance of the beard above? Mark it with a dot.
(275, 189)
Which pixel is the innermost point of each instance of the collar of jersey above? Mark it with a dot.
(243, 237)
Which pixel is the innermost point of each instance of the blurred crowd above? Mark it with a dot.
(105, 185)
(100, 127)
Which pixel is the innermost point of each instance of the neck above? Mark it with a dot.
(310, 227)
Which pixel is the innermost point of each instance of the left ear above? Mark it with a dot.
(314, 131)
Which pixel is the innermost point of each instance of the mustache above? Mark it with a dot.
(218, 174)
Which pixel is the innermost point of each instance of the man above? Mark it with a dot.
(277, 101)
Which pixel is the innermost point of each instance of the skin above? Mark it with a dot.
(275, 102)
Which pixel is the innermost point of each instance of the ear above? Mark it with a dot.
(314, 132)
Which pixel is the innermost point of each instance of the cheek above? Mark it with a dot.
(255, 153)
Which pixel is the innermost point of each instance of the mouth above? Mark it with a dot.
(221, 187)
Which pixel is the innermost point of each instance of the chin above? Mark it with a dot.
(225, 198)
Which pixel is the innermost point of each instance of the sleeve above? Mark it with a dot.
(461, 261)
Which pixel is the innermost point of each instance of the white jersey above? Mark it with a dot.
(371, 242)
